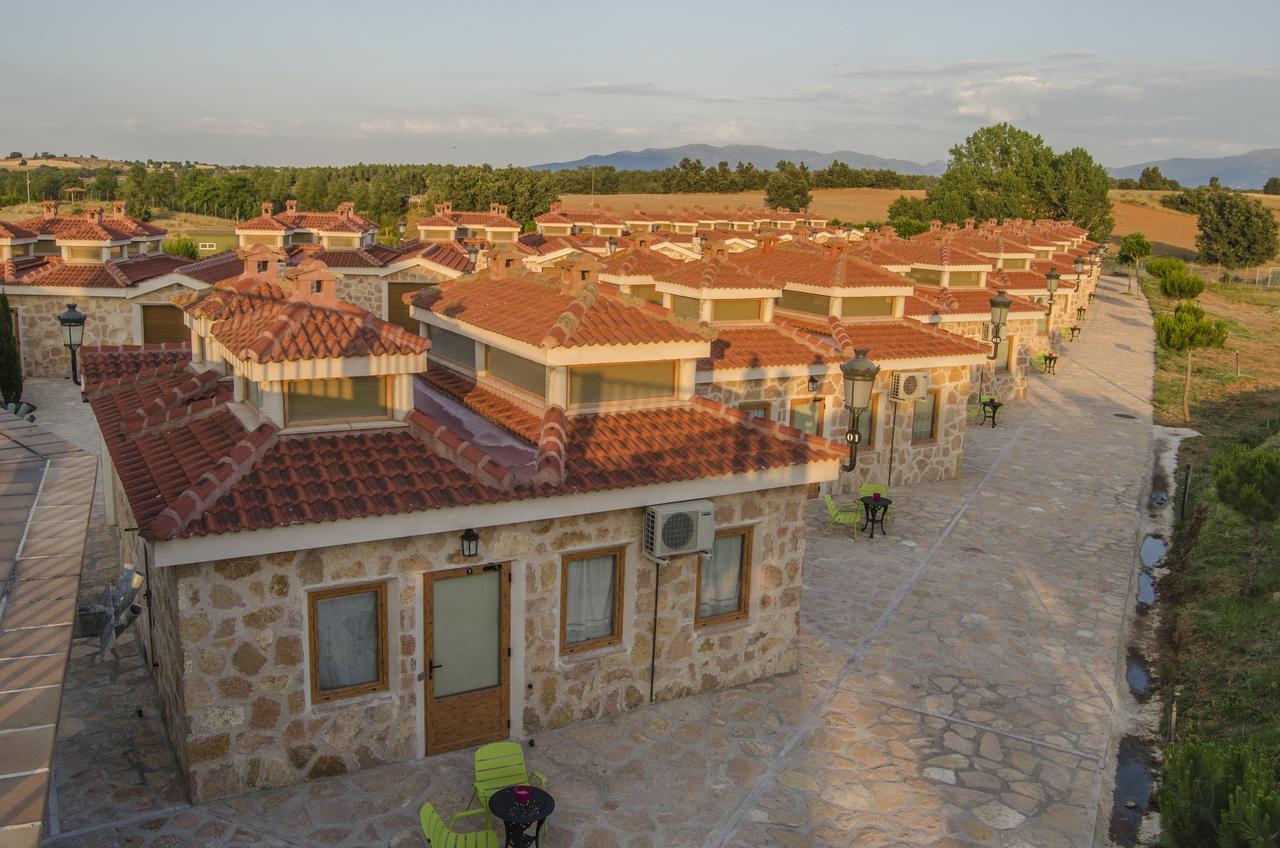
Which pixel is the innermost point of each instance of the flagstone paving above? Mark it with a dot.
(957, 680)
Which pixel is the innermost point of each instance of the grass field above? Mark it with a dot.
(177, 223)
(1222, 649)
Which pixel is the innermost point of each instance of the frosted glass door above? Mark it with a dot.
(466, 633)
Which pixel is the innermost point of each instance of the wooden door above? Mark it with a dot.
(466, 635)
(162, 322)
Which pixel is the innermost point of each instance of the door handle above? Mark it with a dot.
(431, 668)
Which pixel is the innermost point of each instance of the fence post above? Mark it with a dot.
(1237, 363)
(1186, 489)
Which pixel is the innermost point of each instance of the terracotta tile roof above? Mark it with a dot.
(490, 405)
(446, 216)
(15, 270)
(102, 362)
(639, 262)
(894, 251)
(897, 339)
(269, 329)
(217, 268)
(343, 220)
(976, 241)
(583, 243)
(189, 467)
(448, 254)
(1028, 280)
(81, 228)
(767, 346)
(820, 267)
(13, 231)
(541, 310)
(931, 301)
(718, 273)
(118, 274)
(560, 215)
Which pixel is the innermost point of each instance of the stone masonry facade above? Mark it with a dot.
(910, 463)
(366, 290)
(111, 320)
(230, 640)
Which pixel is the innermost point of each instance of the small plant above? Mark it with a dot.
(1223, 796)
(1185, 330)
(1163, 266)
(181, 246)
(1248, 481)
(1182, 285)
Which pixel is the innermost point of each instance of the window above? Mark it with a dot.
(649, 293)
(806, 415)
(965, 279)
(724, 578)
(339, 399)
(867, 423)
(735, 310)
(685, 307)
(924, 418)
(591, 600)
(926, 276)
(759, 409)
(252, 392)
(860, 307)
(814, 304)
(1016, 264)
(592, 384)
(208, 245)
(516, 370)
(348, 636)
(455, 347)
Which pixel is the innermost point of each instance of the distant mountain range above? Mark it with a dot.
(655, 158)
(1248, 170)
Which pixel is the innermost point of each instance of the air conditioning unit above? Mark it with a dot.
(679, 528)
(986, 331)
(909, 385)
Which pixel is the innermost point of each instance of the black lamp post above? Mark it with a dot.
(72, 322)
(470, 543)
(1079, 263)
(702, 241)
(999, 315)
(473, 254)
(859, 379)
(1051, 282)
(613, 245)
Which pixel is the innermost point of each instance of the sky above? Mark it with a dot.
(282, 83)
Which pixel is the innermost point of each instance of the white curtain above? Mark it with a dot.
(347, 640)
(721, 589)
(589, 599)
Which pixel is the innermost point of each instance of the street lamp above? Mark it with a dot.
(613, 245)
(473, 254)
(72, 322)
(859, 379)
(999, 315)
(470, 543)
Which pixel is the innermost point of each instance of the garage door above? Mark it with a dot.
(162, 322)
(397, 309)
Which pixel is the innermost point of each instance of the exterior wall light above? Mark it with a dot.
(859, 379)
(470, 543)
(72, 322)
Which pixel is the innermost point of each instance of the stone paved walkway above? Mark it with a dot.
(957, 681)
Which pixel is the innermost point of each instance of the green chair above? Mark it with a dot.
(442, 835)
(866, 490)
(841, 516)
(499, 765)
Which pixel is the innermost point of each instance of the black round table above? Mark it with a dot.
(876, 509)
(1050, 363)
(1074, 330)
(990, 408)
(519, 817)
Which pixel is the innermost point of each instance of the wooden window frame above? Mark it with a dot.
(744, 581)
(822, 413)
(619, 576)
(320, 422)
(383, 682)
(767, 406)
(933, 423)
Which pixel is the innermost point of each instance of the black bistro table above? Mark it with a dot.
(519, 817)
(1074, 330)
(990, 408)
(876, 509)
(1050, 363)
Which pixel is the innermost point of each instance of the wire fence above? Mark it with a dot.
(1266, 276)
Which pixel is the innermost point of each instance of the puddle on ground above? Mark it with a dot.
(1138, 676)
(1133, 791)
(1153, 550)
(1146, 591)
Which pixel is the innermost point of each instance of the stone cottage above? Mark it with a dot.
(363, 546)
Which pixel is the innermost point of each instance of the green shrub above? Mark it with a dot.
(1219, 795)
(181, 246)
(1162, 266)
(1182, 285)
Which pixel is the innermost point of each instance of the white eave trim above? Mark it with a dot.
(716, 293)
(904, 290)
(737, 375)
(244, 543)
(175, 278)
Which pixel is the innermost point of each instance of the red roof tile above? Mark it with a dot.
(343, 220)
(767, 346)
(639, 262)
(931, 301)
(102, 362)
(897, 339)
(719, 273)
(825, 267)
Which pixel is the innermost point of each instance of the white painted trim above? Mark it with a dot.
(701, 293)
(455, 519)
(734, 375)
(853, 292)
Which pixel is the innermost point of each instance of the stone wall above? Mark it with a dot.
(1008, 385)
(366, 291)
(912, 463)
(244, 692)
(110, 321)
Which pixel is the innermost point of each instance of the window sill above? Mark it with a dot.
(722, 625)
(355, 701)
(380, 424)
(590, 654)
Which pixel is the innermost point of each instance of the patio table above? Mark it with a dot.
(876, 509)
(1074, 330)
(990, 408)
(1050, 363)
(519, 817)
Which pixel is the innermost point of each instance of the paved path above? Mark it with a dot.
(956, 683)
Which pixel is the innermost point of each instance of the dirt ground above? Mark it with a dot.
(847, 204)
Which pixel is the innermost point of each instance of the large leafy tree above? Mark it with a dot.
(1272, 186)
(1185, 331)
(1133, 249)
(1235, 230)
(788, 187)
(10, 360)
(1005, 172)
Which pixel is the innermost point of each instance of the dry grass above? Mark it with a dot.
(846, 204)
(176, 223)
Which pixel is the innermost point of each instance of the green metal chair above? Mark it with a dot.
(499, 765)
(838, 515)
(442, 835)
(866, 490)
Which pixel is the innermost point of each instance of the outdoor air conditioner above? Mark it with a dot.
(679, 528)
(909, 385)
(986, 331)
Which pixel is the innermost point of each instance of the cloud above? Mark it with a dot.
(949, 69)
(634, 89)
(227, 126)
